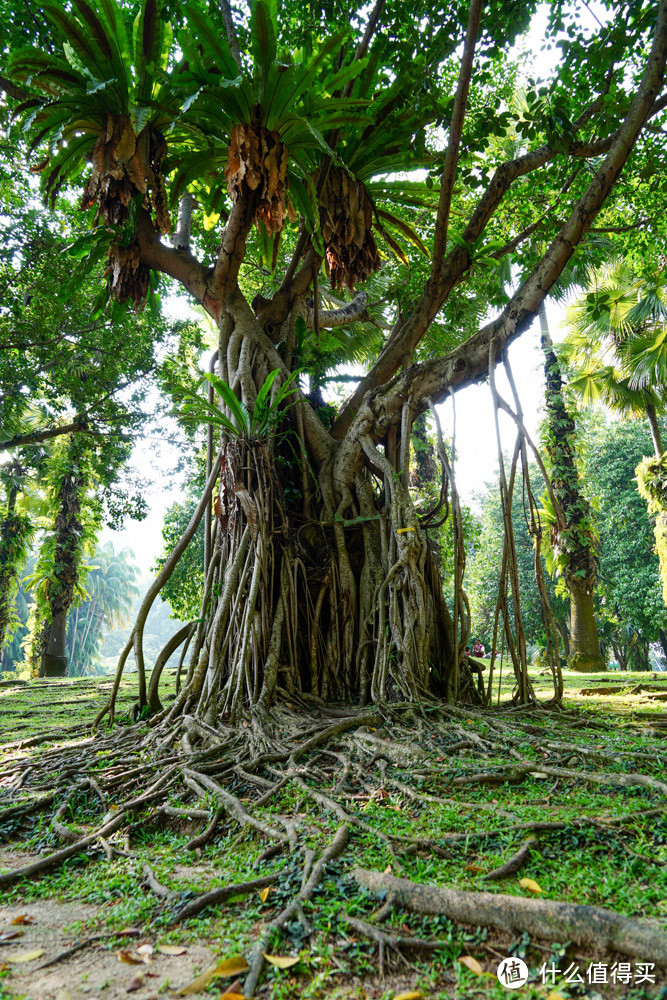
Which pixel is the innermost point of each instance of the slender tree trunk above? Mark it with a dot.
(654, 425)
(663, 642)
(565, 636)
(574, 538)
(7, 563)
(60, 591)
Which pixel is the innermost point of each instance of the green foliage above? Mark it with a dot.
(258, 425)
(652, 484)
(184, 590)
(616, 344)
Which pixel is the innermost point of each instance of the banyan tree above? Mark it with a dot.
(330, 164)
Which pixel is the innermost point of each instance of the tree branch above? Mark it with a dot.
(455, 132)
(34, 437)
(178, 264)
(230, 28)
(349, 312)
(468, 362)
(458, 260)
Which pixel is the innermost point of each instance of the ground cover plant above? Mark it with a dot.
(329, 797)
(213, 860)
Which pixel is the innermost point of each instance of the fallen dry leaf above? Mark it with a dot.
(233, 990)
(410, 995)
(228, 967)
(25, 956)
(473, 868)
(172, 949)
(146, 952)
(24, 919)
(135, 983)
(127, 958)
(264, 893)
(531, 885)
(9, 935)
(282, 961)
(472, 964)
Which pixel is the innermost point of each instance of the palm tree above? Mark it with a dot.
(617, 348)
(110, 589)
(617, 344)
(573, 539)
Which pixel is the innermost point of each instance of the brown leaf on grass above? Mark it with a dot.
(24, 919)
(473, 868)
(25, 956)
(172, 949)
(227, 968)
(135, 983)
(9, 935)
(472, 964)
(127, 958)
(264, 893)
(410, 995)
(282, 961)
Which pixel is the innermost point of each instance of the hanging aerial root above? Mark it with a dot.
(587, 926)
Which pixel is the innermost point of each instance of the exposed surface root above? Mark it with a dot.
(589, 926)
(261, 775)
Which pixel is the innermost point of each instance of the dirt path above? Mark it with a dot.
(94, 971)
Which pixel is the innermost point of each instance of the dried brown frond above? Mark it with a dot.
(125, 165)
(128, 277)
(257, 161)
(346, 218)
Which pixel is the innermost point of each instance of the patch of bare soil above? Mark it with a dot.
(93, 971)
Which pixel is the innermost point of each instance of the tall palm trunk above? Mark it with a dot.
(574, 538)
(656, 434)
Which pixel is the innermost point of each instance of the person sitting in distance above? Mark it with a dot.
(478, 649)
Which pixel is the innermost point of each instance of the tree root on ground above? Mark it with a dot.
(178, 772)
(590, 926)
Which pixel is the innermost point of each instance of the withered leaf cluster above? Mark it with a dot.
(125, 166)
(128, 277)
(346, 218)
(257, 161)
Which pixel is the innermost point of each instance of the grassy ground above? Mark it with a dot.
(622, 867)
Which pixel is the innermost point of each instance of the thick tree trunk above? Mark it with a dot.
(343, 605)
(55, 654)
(585, 653)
